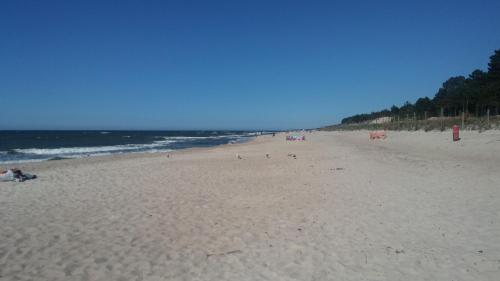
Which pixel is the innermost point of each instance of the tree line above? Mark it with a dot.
(475, 95)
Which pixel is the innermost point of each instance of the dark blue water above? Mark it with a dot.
(22, 146)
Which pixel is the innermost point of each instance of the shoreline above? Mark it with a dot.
(20, 147)
(40, 165)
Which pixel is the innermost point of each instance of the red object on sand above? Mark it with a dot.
(456, 133)
(377, 135)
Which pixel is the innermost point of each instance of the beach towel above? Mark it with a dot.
(296, 138)
(377, 135)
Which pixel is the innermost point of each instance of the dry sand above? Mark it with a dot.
(415, 206)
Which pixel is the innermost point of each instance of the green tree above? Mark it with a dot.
(394, 110)
(406, 111)
(492, 90)
(474, 90)
(423, 105)
(449, 95)
(480, 91)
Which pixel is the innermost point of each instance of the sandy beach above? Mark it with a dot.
(415, 206)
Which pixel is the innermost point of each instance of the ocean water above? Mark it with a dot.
(28, 146)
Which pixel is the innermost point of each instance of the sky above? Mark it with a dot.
(161, 65)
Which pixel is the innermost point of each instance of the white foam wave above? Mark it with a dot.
(159, 145)
(184, 138)
(92, 150)
(202, 138)
(22, 161)
(18, 161)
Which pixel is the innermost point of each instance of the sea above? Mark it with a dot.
(31, 146)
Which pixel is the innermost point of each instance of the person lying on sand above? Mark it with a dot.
(15, 175)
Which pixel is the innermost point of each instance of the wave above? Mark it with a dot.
(182, 138)
(206, 138)
(92, 149)
(160, 144)
(40, 158)
(18, 161)
(210, 137)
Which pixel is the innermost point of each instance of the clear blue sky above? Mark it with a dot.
(229, 64)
